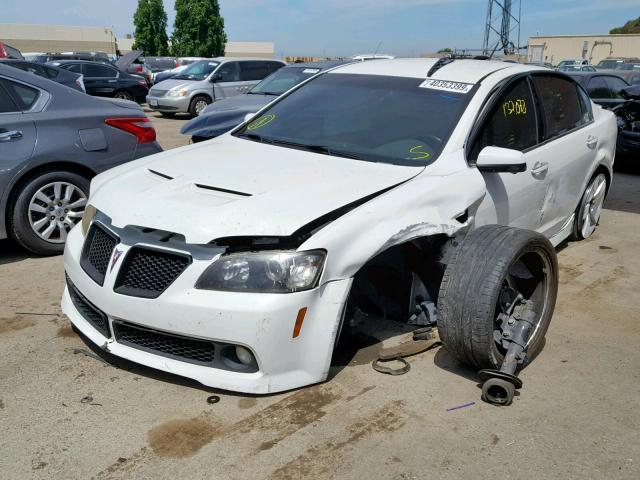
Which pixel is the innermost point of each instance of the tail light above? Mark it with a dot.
(139, 69)
(3, 52)
(141, 127)
(80, 83)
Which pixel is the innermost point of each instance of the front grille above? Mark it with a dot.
(147, 273)
(96, 253)
(92, 314)
(157, 93)
(185, 349)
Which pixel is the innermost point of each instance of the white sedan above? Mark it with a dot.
(362, 193)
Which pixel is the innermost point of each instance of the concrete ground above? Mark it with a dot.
(67, 414)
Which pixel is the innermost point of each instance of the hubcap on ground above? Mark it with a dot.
(55, 209)
(591, 206)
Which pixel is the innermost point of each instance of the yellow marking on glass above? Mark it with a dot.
(514, 107)
(261, 122)
(421, 154)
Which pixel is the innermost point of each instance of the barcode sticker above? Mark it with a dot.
(447, 86)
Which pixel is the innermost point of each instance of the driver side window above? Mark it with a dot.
(511, 123)
(228, 72)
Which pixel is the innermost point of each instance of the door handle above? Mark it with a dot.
(539, 168)
(10, 135)
(592, 141)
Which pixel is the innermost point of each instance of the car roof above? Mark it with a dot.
(322, 64)
(91, 62)
(460, 70)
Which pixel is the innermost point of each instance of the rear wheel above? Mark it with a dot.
(123, 95)
(46, 208)
(588, 212)
(491, 268)
(198, 104)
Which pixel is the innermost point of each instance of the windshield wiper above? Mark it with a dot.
(254, 137)
(317, 149)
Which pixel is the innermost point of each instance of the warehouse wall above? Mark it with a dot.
(57, 38)
(592, 47)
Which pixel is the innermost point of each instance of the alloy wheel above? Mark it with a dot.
(55, 209)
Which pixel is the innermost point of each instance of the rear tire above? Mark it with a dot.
(491, 260)
(123, 95)
(198, 104)
(41, 204)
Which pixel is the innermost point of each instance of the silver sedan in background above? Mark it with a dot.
(53, 140)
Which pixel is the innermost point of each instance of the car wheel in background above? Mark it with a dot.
(198, 104)
(492, 267)
(123, 95)
(590, 208)
(45, 208)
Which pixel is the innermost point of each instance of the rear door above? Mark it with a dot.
(569, 147)
(100, 79)
(17, 129)
(227, 82)
(512, 122)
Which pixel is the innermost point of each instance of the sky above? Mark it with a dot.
(346, 27)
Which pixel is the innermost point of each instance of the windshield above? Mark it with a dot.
(282, 80)
(197, 71)
(365, 117)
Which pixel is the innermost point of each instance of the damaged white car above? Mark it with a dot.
(365, 192)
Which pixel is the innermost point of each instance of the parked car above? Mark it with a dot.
(160, 64)
(573, 61)
(104, 80)
(53, 140)
(59, 75)
(604, 89)
(51, 57)
(631, 77)
(133, 63)
(615, 63)
(354, 196)
(206, 81)
(223, 115)
(628, 114)
(7, 51)
(577, 68)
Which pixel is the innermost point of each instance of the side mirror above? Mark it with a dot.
(501, 160)
(249, 116)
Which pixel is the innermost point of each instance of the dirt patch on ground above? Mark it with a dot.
(245, 403)
(13, 324)
(181, 438)
(66, 331)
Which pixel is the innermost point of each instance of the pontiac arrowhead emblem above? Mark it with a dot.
(114, 259)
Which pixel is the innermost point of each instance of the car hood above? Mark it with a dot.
(172, 83)
(235, 187)
(123, 62)
(224, 114)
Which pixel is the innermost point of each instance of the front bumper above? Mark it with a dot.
(169, 104)
(262, 323)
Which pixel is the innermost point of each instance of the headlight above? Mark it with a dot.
(177, 93)
(267, 272)
(89, 214)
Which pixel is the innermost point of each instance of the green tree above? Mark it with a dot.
(445, 50)
(198, 30)
(632, 26)
(150, 21)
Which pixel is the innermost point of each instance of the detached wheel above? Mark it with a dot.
(491, 267)
(123, 96)
(45, 209)
(590, 208)
(198, 104)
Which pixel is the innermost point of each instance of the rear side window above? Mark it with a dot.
(615, 85)
(251, 71)
(6, 104)
(561, 110)
(228, 72)
(51, 72)
(98, 71)
(511, 123)
(72, 67)
(585, 106)
(273, 66)
(23, 96)
(598, 88)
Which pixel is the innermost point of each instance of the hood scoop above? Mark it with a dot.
(223, 190)
(160, 174)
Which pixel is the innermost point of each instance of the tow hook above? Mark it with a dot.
(499, 386)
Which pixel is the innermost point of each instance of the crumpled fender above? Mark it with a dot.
(426, 205)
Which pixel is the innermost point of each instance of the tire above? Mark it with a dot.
(167, 114)
(196, 105)
(25, 210)
(480, 270)
(123, 95)
(587, 214)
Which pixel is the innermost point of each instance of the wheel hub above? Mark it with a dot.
(55, 209)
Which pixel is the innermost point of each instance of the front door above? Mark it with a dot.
(228, 82)
(513, 199)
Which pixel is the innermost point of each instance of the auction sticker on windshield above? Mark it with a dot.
(447, 86)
